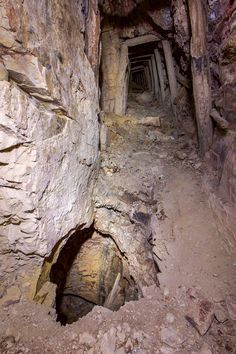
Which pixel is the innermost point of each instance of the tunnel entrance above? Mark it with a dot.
(143, 68)
(89, 270)
(146, 80)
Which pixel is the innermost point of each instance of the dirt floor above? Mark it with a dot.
(194, 309)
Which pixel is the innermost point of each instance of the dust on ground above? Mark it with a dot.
(194, 309)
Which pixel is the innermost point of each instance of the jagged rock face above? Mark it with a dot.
(125, 8)
(120, 8)
(126, 195)
(222, 50)
(182, 33)
(49, 127)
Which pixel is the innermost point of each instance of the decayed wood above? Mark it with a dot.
(170, 69)
(182, 80)
(147, 74)
(220, 121)
(151, 74)
(160, 73)
(155, 76)
(180, 95)
(113, 293)
(200, 74)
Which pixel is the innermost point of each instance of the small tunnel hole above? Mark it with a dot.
(90, 270)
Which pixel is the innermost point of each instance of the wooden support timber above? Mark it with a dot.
(155, 76)
(170, 70)
(160, 73)
(200, 74)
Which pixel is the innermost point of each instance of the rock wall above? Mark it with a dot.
(48, 130)
(222, 156)
(222, 49)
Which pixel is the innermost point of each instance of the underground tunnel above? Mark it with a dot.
(89, 270)
(118, 188)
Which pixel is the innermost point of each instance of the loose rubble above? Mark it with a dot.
(187, 312)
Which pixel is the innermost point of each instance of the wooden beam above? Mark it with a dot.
(113, 293)
(148, 78)
(182, 80)
(220, 121)
(141, 40)
(155, 77)
(151, 74)
(170, 70)
(160, 73)
(200, 74)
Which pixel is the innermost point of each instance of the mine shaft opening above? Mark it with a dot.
(147, 85)
(143, 69)
(88, 271)
(146, 70)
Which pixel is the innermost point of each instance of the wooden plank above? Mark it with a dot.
(160, 73)
(220, 121)
(170, 69)
(113, 293)
(200, 74)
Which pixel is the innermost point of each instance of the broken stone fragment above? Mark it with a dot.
(221, 313)
(231, 306)
(6, 38)
(46, 295)
(12, 296)
(201, 311)
(198, 165)
(163, 155)
(3, 73)
(180, 155)
(29, 73)
(205, 349)
(144, 98)
(170, 337)
(150, 121)
(87, 339)
(108, 342)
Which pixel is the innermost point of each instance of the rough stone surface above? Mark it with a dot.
(125, 195)
(221, 158)
(49, 127)
(202, 311)
(134, 328)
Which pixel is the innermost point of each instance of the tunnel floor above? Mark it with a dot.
(147, 160)
(151, 158)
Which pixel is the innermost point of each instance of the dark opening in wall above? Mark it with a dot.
(69, 305)
(143, 68)
(148, 79)
(89, 270)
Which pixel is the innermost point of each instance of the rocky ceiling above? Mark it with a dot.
(124, 8)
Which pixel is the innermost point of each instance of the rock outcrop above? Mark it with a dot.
(222, 155)
(48, 130)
